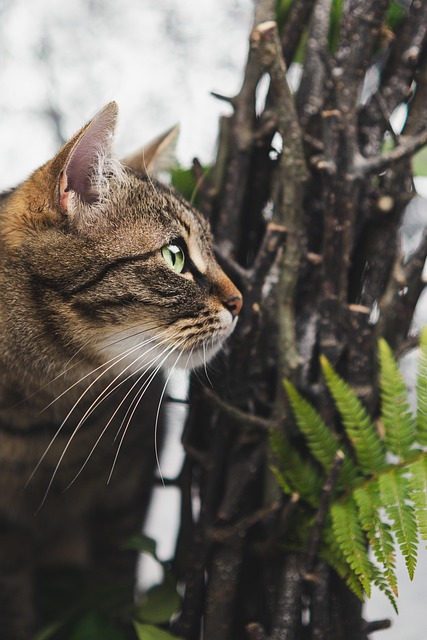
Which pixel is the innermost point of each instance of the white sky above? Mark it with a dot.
(158, 60)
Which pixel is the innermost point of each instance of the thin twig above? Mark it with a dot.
(237, 416)
(377, 625)
(239, 529)
(405, 149)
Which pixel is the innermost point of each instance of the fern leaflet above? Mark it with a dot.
(394, 491)
(350, 537)
(418, 487)
(378, 532)
(322, 443)
(359, 427)
(399, 424)
(296, 474)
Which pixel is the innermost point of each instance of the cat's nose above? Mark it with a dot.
(234, 305)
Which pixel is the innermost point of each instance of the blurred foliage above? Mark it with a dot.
(419, 163)
(186, 184)
(85, 612)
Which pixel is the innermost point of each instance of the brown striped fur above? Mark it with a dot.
(83, 281)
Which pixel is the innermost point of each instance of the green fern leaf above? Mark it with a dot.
(379, 533)
(368, 447)
(422, 389)
(398, 421)
(351, 540)
(380, 581)
(418, 488)
(322, 443)
(394, 492)
(332, 553)
(296, 475)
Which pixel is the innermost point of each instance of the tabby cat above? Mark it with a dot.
(107, 277)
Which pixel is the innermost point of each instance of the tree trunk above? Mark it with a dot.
(306, 224)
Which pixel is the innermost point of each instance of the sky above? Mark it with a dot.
(160, 61)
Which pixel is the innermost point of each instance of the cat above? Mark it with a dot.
(107, 277)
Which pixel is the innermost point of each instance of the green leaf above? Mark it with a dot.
(143, 544)
(160, 603)
(297, 474)
(422, 389)
(368, 447)
(394, 492)
(398, 421)
(383, 585)
(419, 162)
(94, 626)
(322, 443)
(332, 553)
(148, 632)
(418, 486)
(351, 540)
(379, 533)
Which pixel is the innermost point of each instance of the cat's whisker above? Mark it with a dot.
(103, 395)
(145, 368)
(112, 363)
(169, 349)
(67, 368)
(156, 423)
(70, 440)
(205, 364)
(139, 398)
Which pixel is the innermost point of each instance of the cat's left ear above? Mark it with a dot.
(83, 162)
(155, 157)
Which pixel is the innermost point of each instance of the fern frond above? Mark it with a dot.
(422, 389)
(379, 533)
(296, 474)
(418, 488)
(383, 585)
(351, 540)
(368, 446)
(332, 553)
(322, 443)
(394, 491)
(398, 421)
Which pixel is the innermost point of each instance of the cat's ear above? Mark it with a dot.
(155, 157)
(82, 164)
(69, 185)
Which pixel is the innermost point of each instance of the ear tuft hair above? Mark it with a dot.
(90, 163)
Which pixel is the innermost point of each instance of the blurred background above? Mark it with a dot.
(61, 62)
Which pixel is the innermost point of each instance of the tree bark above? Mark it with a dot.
(306, 223)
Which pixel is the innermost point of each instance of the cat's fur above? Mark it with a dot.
(85, 293)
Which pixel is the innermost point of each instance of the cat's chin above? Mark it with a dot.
(201, 356)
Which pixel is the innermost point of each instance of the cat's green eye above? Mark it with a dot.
(174, 257)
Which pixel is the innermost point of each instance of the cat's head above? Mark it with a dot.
(108, 261)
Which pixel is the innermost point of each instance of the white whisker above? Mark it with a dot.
(205, 364)
(111, 363)
(136, 403)
(156, 423)
(145, 368)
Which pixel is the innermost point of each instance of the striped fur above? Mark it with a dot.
(90, 315)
